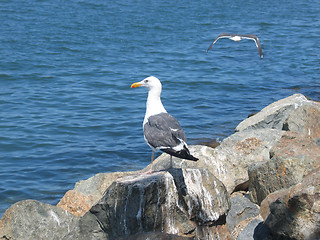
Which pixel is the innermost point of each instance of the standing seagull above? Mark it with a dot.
(239, 37)
(161, 130)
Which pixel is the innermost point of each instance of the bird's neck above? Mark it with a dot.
(154, 104)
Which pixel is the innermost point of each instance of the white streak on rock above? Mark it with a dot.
(171, 202)
(139, 214)
(55, 217)
(196, 190)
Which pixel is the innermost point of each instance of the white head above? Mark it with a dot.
(152, 83)
(154, 105)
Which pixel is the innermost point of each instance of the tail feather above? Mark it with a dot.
(184, 154)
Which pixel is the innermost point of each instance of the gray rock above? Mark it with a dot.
(305, 120)
(296, 214)
(180, 202)
(293, 157)
(30, 219)
(248, 232)
(274, 115)
(241, 209)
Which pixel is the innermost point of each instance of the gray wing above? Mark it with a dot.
(256, 40)
(222, 35)
(163, 131)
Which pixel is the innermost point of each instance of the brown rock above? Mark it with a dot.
(272, 197)
(296, 214)
(293, 157)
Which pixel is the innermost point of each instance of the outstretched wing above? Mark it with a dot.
(222, 35)
(256, 40)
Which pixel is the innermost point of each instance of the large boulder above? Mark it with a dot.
(30, 219)
(296, 213)
(292, 158)
(275, 115)
(184, 202)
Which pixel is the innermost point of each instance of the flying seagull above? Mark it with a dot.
(239, 37)
(161, 130)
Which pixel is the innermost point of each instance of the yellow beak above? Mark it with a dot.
(137, 84)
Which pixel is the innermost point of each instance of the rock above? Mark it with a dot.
(155, 236)
(293, 157)
(87, 193)
(305, 120)
(296, 214)
(272, 197)
(241, 209)
(275, 115)
(184, 202)
(30, 219)
(229, 162)
(248, 232)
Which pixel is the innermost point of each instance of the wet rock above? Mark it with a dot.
(87, 193)
(229, 162)
(274, 115)
(31, 219)
(296, 214)
(293, 157)
(241, 209)
(184, 202)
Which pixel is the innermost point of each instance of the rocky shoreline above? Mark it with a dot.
(262, 182)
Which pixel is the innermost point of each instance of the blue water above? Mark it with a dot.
(67, 110)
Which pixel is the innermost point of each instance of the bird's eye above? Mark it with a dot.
(147, 80)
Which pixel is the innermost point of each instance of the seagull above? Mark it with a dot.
(239, 37)
(161, 130)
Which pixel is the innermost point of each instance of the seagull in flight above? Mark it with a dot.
(239, 37)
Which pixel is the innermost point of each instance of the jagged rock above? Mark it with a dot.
(275, 114)
(241, 209)
(229, 162)
(30, 219)
(184, 202)
(293, 157)
(87, 193)
(296, 214)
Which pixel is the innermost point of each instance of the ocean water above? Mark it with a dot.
(67, 110)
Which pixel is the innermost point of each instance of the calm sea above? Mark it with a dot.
(67, 110)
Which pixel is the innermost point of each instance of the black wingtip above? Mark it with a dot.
(192, 158)
(183, 154)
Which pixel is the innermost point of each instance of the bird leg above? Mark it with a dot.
(150, 171)
(152, 158)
